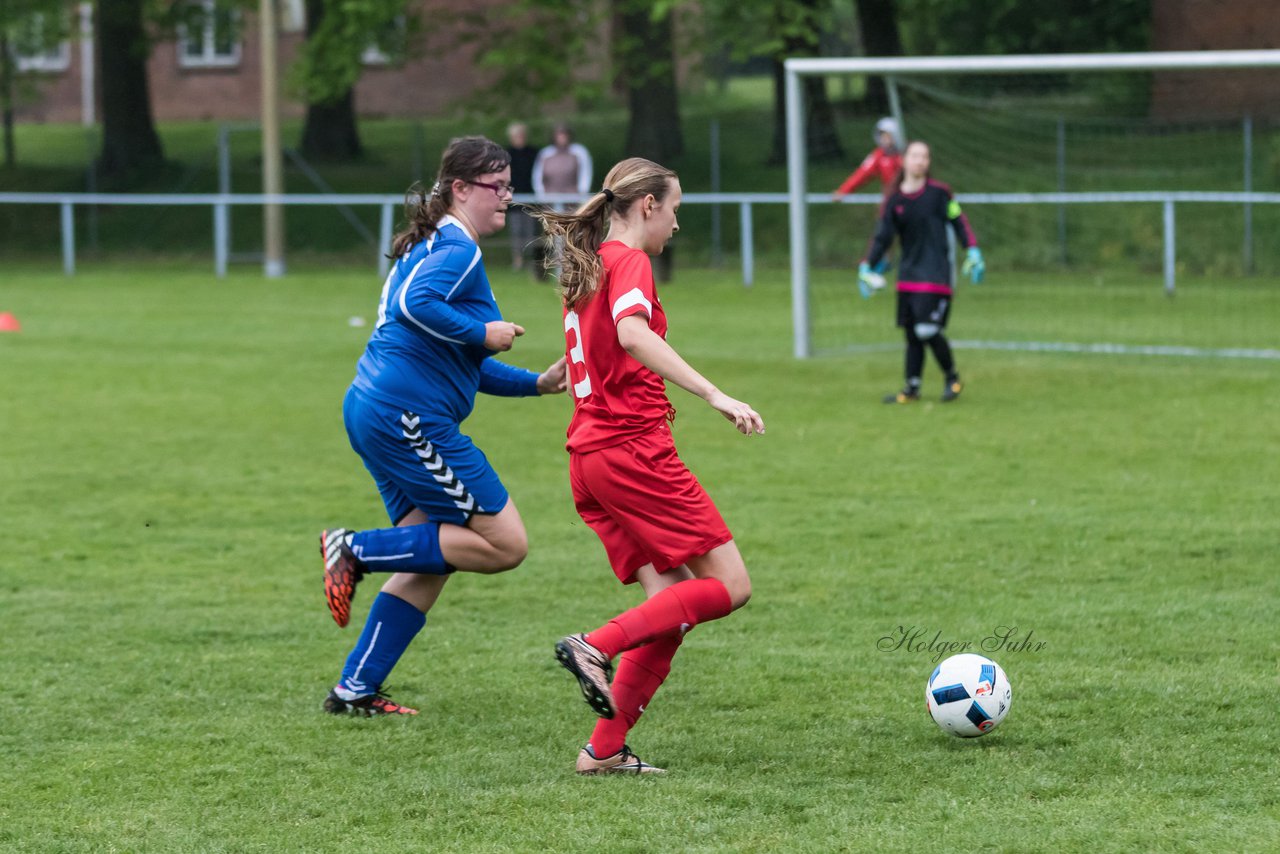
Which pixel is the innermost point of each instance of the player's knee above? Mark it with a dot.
(739, 588)
(511, 551)
(925, 331)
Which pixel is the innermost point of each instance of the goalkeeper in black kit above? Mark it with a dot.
(918, 211)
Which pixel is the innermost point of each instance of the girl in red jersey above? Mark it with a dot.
(659, 527)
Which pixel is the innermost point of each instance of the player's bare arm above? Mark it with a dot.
(555, 379)
(648, 348)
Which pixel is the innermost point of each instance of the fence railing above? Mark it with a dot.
(221, 204)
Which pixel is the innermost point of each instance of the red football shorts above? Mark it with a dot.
(645, 505)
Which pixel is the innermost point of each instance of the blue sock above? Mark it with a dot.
(391, 625)
(409, 548)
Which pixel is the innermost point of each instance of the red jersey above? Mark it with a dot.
(879, 163)
(615, 398)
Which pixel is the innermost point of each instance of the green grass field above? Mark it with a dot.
(171, 444)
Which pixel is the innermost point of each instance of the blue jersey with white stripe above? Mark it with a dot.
(427, 352)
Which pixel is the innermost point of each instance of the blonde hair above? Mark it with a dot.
(577, 236)
(466, 158)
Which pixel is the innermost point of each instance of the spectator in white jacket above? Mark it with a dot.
(562, 167)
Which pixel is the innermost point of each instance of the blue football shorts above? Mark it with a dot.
(421, 463)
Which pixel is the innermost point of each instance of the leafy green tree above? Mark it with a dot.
(943, 27)
(644, 45)
(331, 62)
(780, 29)
(878, 20)
(129, 139)
(540, 50)
(536, 52)
(27, 27)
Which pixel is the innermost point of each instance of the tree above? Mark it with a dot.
(878, 21)
(536, 52)
(779, 29)
(27, 27)
(129, 139)
(799, 24)
(942, 27)
(644, 44)
(330, 64)
(546, 50)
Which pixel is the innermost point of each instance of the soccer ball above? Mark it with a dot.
(968, 695)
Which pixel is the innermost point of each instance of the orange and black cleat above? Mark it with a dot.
(907, 395)
(342, 573)
(367, 706)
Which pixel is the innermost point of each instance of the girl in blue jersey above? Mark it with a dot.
(429, 354)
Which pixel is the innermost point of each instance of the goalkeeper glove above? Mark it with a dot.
(869, 281)
(974, 267)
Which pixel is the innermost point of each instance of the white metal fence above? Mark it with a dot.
(220, 205)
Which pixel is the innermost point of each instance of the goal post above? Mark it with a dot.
(892, 68)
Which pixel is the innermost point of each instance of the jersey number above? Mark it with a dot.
(576, 356)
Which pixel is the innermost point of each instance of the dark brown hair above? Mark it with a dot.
(582, 232)
(466, 158)
(902, 170)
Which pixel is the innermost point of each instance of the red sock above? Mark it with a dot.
(640, 673)
(698, 600)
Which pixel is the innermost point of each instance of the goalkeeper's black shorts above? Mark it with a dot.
(916, 307)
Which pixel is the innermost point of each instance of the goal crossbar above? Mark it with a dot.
(797, 154)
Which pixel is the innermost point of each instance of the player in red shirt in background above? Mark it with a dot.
(659, 527)
(884, 163)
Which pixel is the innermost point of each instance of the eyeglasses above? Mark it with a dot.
(499, 190)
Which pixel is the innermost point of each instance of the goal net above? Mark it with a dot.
(1124, 202)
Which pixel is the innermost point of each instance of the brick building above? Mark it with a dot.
(213, 72)
(1215, 25)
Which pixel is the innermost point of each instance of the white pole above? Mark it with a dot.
(1248, 188)
(88, 113)
(1170, 248)
(384, 240)
(895, 106)
(221, 227)
(1037, 63)
(748, 244)
(272, 155)
(224, 187)
(68, 240)
(1062, 186)
(799, 214)
(717, 256)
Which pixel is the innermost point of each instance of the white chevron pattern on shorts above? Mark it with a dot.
(434, 463)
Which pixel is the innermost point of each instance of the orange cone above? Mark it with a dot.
(9, 323)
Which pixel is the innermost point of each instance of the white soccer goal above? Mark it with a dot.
(1080, 172)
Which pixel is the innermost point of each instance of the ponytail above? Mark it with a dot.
(576, 237)
(422, 210)
(465, 159)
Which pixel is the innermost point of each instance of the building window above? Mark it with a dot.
(209, 35)
(37, 48)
